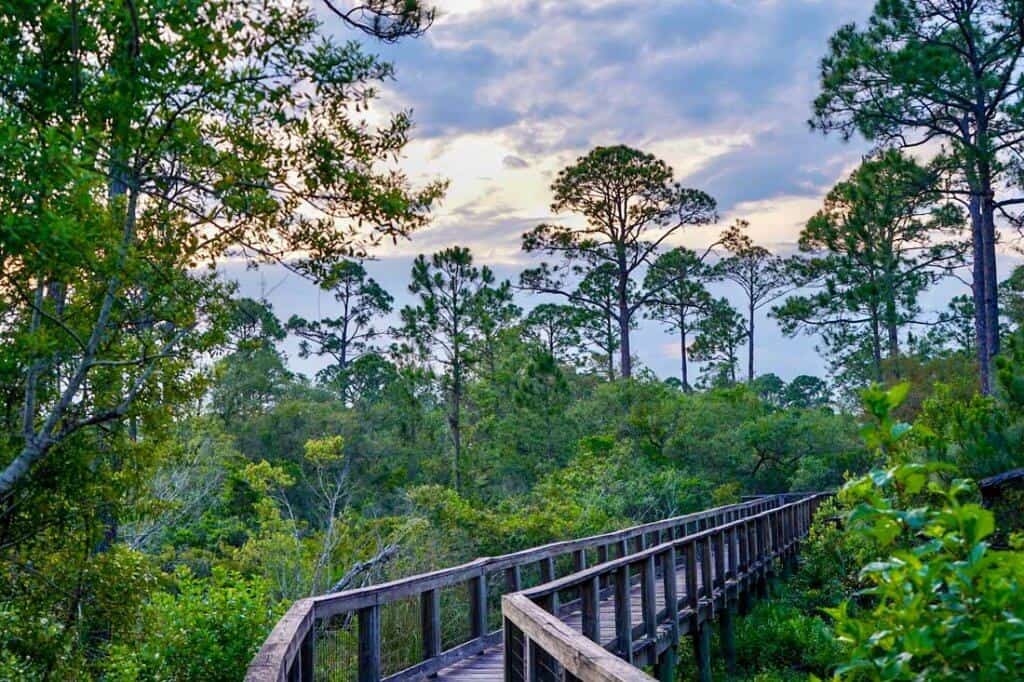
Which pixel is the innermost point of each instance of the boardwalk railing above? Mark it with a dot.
(721, 566)
(289, 653)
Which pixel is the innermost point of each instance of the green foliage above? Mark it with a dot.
(349, 335)
(878, 243)
(458, 319)
(631, 204)
(720, 334)
(830, 559)
(776, 639)
(206, 629)
(675, 282)
(40, 637)
(981, 436)
(761, 276)
(943, 605)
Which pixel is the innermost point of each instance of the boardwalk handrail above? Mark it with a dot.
(288, 652)
(722, 564)
(578, 656)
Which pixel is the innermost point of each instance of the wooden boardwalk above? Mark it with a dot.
(730, 549)
(489, 664)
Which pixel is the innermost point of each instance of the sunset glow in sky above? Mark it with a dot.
(504, 93)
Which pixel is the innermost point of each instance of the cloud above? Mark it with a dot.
(505, 94)
(511, 161)
(553, 79)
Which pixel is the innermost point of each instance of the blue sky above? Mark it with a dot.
(504, 93)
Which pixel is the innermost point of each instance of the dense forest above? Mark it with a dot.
(170, 484)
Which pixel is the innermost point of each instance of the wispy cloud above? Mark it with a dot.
(505, 93)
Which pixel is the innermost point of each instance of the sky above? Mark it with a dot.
(505, 93)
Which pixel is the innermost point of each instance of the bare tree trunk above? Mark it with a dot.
(382, 557)
(31, 381)
(625, 361)
(989, 271)
(978, 293)
(682, 352)
(455, 424)
(892, 325)
(750, 344)
(876, 342)
(609, 339)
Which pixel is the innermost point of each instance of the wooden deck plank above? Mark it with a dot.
(488, 666)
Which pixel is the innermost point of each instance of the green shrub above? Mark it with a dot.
(944, 606)
(776, 638)
(208, 630)
(830, 559)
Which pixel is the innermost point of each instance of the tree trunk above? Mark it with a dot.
(682, 351)
(625, 361)
(876, 343)
(891, 323)
(455, 422)
(750, 344)
(610, 344)
(978, 293)
(991, 283)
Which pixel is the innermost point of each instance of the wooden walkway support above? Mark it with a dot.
(714, 568)
(626, 601)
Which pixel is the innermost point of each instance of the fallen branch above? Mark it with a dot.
(360, 567)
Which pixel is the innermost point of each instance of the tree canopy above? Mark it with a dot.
(631, 205)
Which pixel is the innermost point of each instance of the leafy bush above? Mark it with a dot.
(830, 558)
(944, 606)
(208, 630)
(779, 640)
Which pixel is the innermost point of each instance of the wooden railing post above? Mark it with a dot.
(478, 606)
(668, 580)
(623, 616)
(648, 597)
(707, 577)
(547, 569)
(787, 541)
(514, 652)
(579, 560)
(778, 545)
(430, 622)
(750, 565)
(665, 667)
(730, 602)
(590, 606)
(547, 574)
(692, 598)
(513, 579)
(741, 544)
(369, 644)
(306, 655)
(762, 553)
(698, 634)
(719, 554)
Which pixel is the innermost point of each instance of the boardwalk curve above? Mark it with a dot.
(611, 611)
